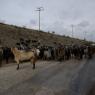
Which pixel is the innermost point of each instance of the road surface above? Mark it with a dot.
(85, 79)
(49, 78)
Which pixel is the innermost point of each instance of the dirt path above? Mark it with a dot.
(49, 77)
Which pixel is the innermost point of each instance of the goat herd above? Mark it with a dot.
(58, 53)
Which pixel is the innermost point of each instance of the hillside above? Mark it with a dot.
(10, 35)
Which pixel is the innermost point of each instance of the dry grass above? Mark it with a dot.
(10, 35)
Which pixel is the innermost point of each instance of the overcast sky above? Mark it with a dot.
(58, 15)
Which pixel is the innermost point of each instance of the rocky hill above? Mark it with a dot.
(10, 35)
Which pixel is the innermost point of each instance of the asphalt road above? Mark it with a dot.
(49, 78)
(85, 79)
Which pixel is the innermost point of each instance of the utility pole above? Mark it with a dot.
(39, 9)
(85, 35)
(72, 30)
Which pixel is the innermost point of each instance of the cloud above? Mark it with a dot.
(33, 22)
(57, 16)
(84, 24)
